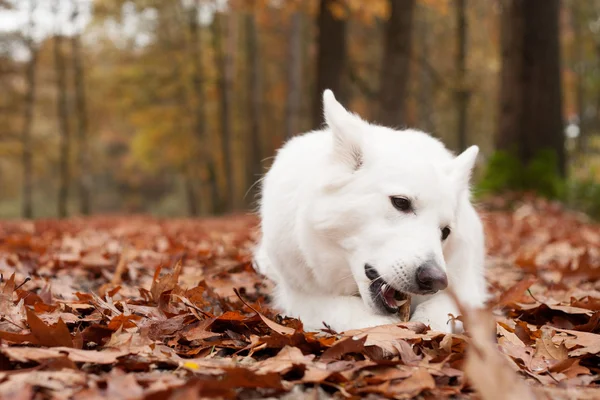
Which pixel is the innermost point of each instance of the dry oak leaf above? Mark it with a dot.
(56, 335)
(165, 283)
(546, 348)
(580, 343)
(515, 293)
(419, 381)
(25, 354)
(284, 361)
(386, 336)
(570, 368)
(342, 347)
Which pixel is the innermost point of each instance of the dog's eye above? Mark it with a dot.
(445, 233)
(402, 203)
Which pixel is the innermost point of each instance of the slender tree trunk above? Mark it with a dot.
(396, 63)
(175, 39)
(63, 120)
(530, 88)
(206, 157)
(597, 97)
(190, 191)
(83, 158)
(462, 92)
(224, 58)
(294, 93)
(27, 194)
(254, 99)
(331, 58)
(578, 62)
(425, 93)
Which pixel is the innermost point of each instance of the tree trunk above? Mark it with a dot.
(224, 59)
(254, 99)
(396, 63)
(331, 58)
(205, 156)
(425, 93)
(462, 92)
(530, 88)
(190, 191)
(578, 66)
(294, 92)
(63, 120)
(27, 211)
(83, 158)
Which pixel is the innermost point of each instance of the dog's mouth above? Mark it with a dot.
(385, 297)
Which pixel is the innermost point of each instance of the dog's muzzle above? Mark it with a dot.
(431, 278)
(384, 296)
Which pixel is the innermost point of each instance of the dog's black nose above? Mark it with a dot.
(431, 278)
(370, 272)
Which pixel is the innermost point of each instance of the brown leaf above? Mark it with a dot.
(570, 368)
(593, 325)
(287, 358)
(51, 336)
(343, 347)
(515, 293)
(165, 283)
(18, 338)
(581, 343)
(124, 321)
(385, 336)
(282, 330)
(545, 347)
(418, 382)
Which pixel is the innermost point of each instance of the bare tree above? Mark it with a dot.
(294, 78)
(27, 194)
(254, 101)
(530, 117)
(63, 118)
(462, 92)
(331, 57)
(83, 157)
(396, 63)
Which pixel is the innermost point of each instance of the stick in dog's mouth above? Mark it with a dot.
(386, 297)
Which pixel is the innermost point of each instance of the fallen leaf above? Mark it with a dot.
(49, 335)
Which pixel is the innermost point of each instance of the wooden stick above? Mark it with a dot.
(404, 309)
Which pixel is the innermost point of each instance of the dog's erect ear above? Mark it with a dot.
(346, 128)
(462, 166)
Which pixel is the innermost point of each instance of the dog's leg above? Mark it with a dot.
(435, 312)
(341, 313)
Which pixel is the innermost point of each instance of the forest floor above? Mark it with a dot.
(142, 308)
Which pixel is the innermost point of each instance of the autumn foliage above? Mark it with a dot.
(143, 308)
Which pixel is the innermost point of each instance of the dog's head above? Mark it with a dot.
(389, 200)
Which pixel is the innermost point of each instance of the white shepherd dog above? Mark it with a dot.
(355, 212)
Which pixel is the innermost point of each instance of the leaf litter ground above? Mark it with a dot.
(142, 308)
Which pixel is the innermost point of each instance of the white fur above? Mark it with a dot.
(326, 212)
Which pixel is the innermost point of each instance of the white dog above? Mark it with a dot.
(355, 212)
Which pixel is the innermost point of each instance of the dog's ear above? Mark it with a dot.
(462, 167)
(346, 128)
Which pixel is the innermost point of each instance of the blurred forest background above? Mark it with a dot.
(176, 107)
